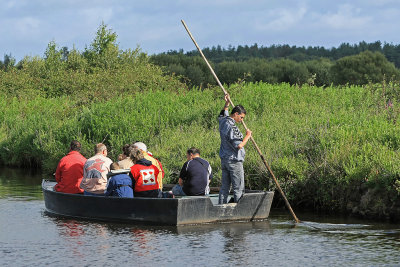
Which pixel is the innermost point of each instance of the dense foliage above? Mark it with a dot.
(332, 148)
(277, 64)
(99, 72)
(242, 53)
(328, 147)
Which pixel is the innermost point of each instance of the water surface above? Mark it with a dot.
(29, 236)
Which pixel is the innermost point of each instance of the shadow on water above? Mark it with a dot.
(345, 227)
(122, 228)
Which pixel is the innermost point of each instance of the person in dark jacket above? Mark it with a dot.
(195, 175)
(120, 184)
(232, 151)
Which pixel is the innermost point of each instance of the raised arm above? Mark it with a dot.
(227, 101)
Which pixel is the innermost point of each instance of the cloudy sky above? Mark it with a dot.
(27, 26)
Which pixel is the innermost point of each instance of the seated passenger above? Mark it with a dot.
(120, 184)
(143, 174)
(125, 162)
(194, 177)
(69, 172)
(147, 155)
(95, 172)
(122, 156)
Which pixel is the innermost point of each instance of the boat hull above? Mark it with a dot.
(163, 211)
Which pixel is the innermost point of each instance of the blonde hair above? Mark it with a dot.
(136, 154)
(100, 147)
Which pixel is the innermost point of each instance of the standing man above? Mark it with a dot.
(69, 172)
(232, 152)
(95, 171)
(195, 175)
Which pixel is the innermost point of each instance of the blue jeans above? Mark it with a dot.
(177, 190)
(232, 173)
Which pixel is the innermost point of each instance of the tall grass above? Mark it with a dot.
(327, 146)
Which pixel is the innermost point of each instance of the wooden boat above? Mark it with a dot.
(254, 205)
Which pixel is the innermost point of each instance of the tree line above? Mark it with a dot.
(356, 64)
(348, 64)
(241, 53)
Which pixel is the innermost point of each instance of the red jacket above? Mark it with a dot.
(69, 173)
(145, 175)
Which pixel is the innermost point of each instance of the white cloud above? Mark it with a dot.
(347, 17)
(26, 26)
(281, 19)
(155, 25)
(378, 2)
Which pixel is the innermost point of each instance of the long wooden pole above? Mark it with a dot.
(251, 138)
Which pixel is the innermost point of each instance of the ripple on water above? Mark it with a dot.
(29, 236)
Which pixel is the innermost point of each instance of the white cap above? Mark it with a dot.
(141, 146)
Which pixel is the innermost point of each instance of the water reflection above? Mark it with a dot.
(278, 241)
(20, 184)
(72, 231)
(70, 228)
(28, 235)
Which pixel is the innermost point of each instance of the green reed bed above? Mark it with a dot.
(330, 148)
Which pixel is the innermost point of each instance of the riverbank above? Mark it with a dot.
(332, 149)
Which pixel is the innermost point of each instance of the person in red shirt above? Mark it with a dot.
(69, 172)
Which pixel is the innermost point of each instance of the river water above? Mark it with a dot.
(29, 236)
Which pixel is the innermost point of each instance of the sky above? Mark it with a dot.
(27, 26)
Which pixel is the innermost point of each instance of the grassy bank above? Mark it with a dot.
(331, 148)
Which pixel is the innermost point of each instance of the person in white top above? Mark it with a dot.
(95, 171)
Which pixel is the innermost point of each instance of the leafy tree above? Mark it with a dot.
(230, 71)
(363, 68)
(76, 61)
(64, 52)
(289, 71)
(53, 57)
(8, 62)
(321, 68)
(176, 69)
(103, 51)
(195, 74)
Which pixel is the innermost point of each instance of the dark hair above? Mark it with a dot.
(193, 151)
(126, 149)
(75, 145)
(239, 109)
(114, 166)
